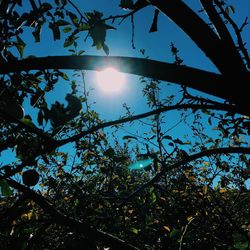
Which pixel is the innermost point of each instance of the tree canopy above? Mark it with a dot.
(73, 179)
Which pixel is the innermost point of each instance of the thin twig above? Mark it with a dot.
(237, 31)
(184, 232)
(141, 116)
(168, 168)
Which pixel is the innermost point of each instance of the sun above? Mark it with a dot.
(110, 81)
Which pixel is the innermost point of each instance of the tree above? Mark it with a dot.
(191, 191)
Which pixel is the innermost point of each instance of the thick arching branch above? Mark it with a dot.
(207, 82)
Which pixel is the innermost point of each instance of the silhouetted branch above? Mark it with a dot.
(210, 83)
(167, 168)
(204, 37)
(222, 30)
(221, 107)
(237, 31)
(58, 217)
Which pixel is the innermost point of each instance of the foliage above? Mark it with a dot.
(190, 191)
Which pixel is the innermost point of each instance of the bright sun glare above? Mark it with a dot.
(110, 80)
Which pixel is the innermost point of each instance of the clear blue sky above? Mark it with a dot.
(119, 41)
(156, 45)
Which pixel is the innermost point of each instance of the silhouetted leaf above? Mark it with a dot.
(5, 188)
(153, 27)
(106, 49)
(127, 137)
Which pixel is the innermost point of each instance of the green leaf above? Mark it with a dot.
(5, 188)
(20, 45)
(27, 120)
(106, 49)
(62, 23)
(67, 29)
(69, 41)
(175, 233)
(152, 194)
(80, 52)
(84, 26)
(73, 18)
(63, 75)
(206, 111)
(134, 230)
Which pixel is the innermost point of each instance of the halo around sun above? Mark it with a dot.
(110, 81)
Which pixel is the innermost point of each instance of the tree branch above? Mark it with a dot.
(222, 107)
(93, 234)
(207, 82)
(204, 37)
(223, 32)
(167, 168)
(237, 32)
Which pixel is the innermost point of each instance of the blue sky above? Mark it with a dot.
(156, 45)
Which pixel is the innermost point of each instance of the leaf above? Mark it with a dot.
(80, 52)
(175, 233)
(206, 111)
(167, 228)
(223, 190)
(109, 152)
(192, 178)
(28, 215)
(167, 137)
(5, 188)
(98, 35)
(178, 141)
(127, 137)
(62, 23)
(20, 45)
(153, 27)
(190, 218)
(27, 120)
(153, 196)
(232, 8)
(73, 18)
(67, 29)
(126, 4)
(106, 49)
(205, 188)
(37, 32)
(69, 41)
(63, 75)
(40, 117)
(134, 230)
